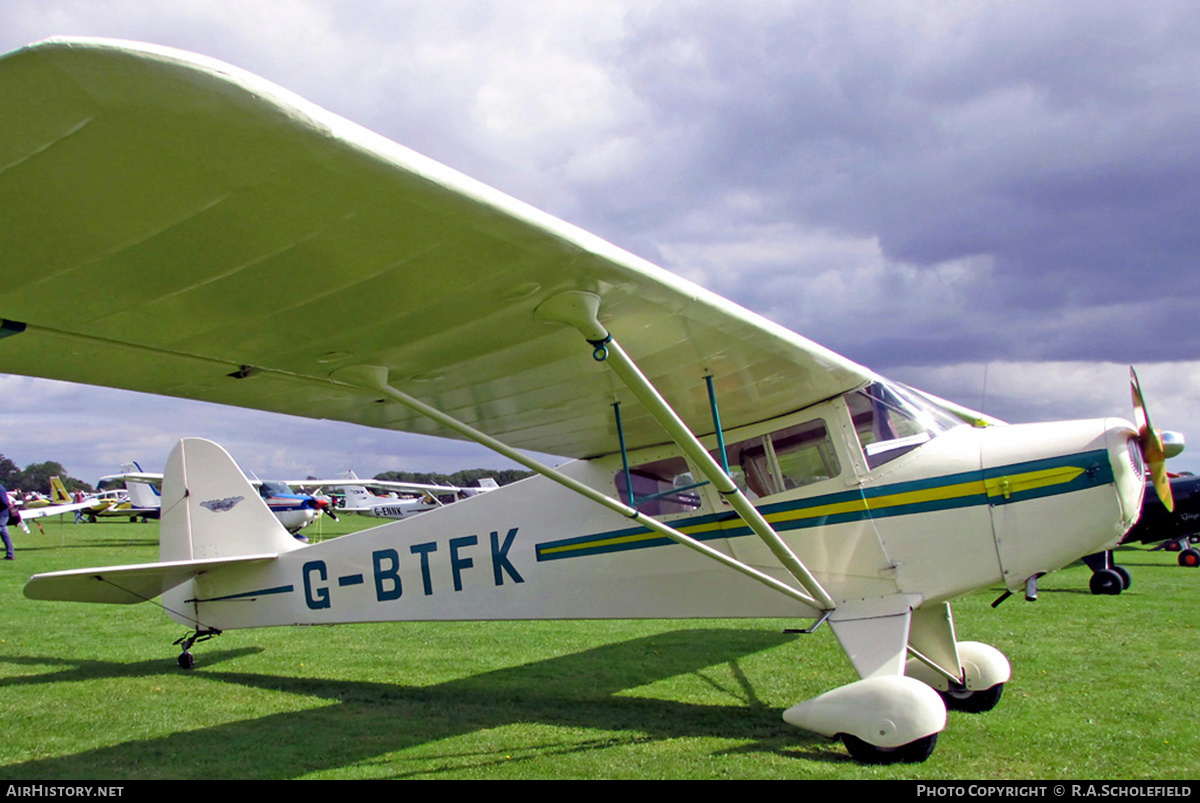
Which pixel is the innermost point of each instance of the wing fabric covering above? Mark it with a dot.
(177, 226)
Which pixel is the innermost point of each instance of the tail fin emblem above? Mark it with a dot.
(222, 505)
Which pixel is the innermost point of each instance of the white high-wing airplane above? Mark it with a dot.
(407, 499)
(724, 466)
(143, 499)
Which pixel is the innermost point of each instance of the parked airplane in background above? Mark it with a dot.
(33, 499)
(720, 465)
(295, 510)
(404, 499)
(1171, 524)
(139, 500)
(1173, 530)
(62, 503)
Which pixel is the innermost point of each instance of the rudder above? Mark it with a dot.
(59, 492)
(143, 495)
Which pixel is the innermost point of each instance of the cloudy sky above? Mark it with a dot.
(995, 202)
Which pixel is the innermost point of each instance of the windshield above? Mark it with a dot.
(892, 419)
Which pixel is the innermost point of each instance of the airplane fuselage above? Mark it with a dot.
(926, 518)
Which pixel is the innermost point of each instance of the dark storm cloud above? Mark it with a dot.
(1057, 144)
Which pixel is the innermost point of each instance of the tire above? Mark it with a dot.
(1126, 578)
(973, 702)
(912, 753)
(1106, 581)
(1189, 557)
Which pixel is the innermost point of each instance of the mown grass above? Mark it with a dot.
(1101, 689)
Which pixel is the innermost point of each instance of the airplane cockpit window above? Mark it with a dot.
(661, 488)
(785, 459)
(271, 488)
(892, 420)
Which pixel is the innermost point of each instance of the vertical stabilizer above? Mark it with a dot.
(210, 510)
(58, 492)
(358, 497)
(142, 495)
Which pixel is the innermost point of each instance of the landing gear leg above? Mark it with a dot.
(186, 659)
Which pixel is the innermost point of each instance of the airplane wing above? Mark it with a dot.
(28, 513)
(146, 477)
(390, 485)
(175, 225)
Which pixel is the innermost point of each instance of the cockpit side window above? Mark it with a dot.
(785, 459)
(891, 421)
(761, 466)
(661, 488)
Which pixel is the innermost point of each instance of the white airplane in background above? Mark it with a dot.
(722, 464)
(405, 499)
(141, 497)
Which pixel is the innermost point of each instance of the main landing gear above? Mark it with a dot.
(1189, 556)
(1107, 577)
(1110, 581)
(896, 718)
(881, 720)
(912, 753)
(186, 660)
(959, 698)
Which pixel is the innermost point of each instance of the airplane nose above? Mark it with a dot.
(1129, 470)
(1060, 491)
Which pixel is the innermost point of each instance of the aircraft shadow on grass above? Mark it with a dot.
(367, 720)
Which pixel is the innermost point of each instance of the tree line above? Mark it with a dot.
(36, 477)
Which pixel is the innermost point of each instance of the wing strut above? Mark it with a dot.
(579, 309)
(375, 379)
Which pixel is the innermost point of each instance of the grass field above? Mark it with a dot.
(1100, 689)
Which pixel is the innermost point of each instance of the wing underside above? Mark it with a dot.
(176, 226)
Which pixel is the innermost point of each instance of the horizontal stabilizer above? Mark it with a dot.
(125, 584)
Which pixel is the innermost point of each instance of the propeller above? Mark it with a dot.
(1151, 440)
(324, 506)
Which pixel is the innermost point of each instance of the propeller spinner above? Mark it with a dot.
(1154, 453)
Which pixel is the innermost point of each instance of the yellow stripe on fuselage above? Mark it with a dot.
(993, 488)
